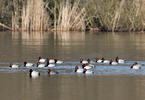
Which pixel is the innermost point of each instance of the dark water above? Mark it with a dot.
(20, 47)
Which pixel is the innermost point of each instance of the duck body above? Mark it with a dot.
(41, 65)
(99, 61)
(51, 61)
(50, 65)
(42, 60)
(105, 61)
(136, 66)
(83, 61)
(113, 62)
(33, 74)
(14, 66)
(87, 66)
(78, 70)
(59, 62)
(120, 61)
(28, 64)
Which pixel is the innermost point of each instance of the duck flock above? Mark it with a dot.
(84, 66)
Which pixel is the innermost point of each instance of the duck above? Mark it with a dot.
(98, 60)
(83, 61)
(50, 60)
(50, 64)
(105, 61)
(41, 65)
(41, 60)
(33, 74)
(58, 61)
(87, 66)
(120, 61)
(85, 71)
(113, 62)
(14, 66)
(78, 70)
(26, 64)
(135, 66)
(50, 72)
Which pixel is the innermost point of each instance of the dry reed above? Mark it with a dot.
(34, 16)
(70, 17)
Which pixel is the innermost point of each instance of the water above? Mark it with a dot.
(108, 82)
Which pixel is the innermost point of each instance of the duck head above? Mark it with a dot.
(97, 59)
(76, 68)
(25, 63)
(81, 60)
(11, 65)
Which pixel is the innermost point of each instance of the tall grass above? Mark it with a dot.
(70, 17)
(34, 16)
(74, 15)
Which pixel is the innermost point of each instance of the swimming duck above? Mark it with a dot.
(87, 71)
(50, 72)
(41, 60)
(87, 66)
(105, 61)
(26, 64)
(33, 74)
(14, 66)
(51, 61)
(58, 61)
(83, 61)
(98, 60)
(113, 62)
(50, 64)
(78, 70)
(136, 66)
(120, 61)
(40, 65)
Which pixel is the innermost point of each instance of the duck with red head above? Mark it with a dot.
(113, 62)
(41, 60)
(58, 61)
(83, 61)
(105, 61)
(50, 64)
(120, 61)
(14, 66)
(78, 70)
(50, 60)
(40, 65)
(33, 74)
(98, 60)
(136, 66)
(87, 66)
(26, 64)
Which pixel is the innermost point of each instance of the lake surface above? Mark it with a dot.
(112, 83)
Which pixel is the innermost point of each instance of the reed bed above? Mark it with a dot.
(34, 16)
(74, 15)
(71, 17)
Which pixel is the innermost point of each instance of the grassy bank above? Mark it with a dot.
(73, 15)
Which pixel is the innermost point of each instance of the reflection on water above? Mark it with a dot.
(73, 45)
